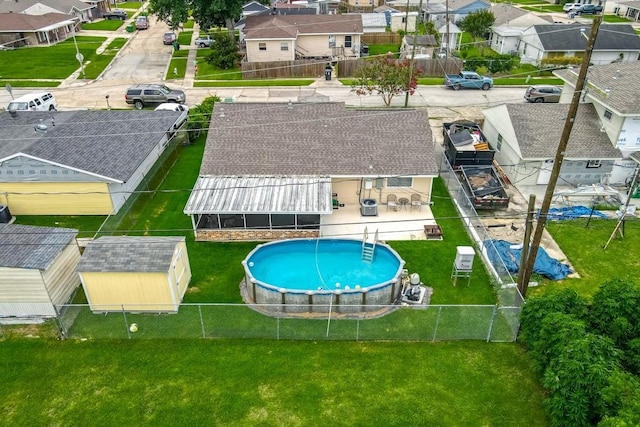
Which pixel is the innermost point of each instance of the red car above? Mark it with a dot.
(169, 38)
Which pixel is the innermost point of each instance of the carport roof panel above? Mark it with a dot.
(260, 194)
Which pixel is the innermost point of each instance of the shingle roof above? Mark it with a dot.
(26, 246)
(288, 26)
(19, 22)
(424, 40)
(317, 139)
(129, 254)
(538, 128)
(64, 6)
(621, 80)
(108, 143)
(564, 37)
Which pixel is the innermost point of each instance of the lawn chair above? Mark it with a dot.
(416, 201)
(392, 202)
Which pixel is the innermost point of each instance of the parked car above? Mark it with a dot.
(171, 106)
(588, 9)
(169, 37)
(568, 7)
(115, 14)
(142, 94)
(467, 79)
(142, 22)
(543, 93)
(204, 41)
(42, 101)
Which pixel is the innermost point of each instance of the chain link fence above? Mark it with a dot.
(489, 323)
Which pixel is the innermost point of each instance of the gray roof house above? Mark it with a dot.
(526, 136)
(135, 273)
(79, 162)
(614, 91)
(18, 29)
(458, 9)
(72, 8)
(615, 42)
(37, 270)
(278, 170)
(509, 25)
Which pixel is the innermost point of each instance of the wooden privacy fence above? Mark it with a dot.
(283, 69)
(429, 67)
(381, 38)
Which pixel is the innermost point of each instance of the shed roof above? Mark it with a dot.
(109, 144)
(317, 139)
(27, 246)
(615, 85)
(538, 128)
(423, 40)
(129, 254)
(569, 37)
(260, 194)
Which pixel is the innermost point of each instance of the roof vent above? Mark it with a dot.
(40, 128)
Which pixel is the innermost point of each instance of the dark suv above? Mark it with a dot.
(143, 94)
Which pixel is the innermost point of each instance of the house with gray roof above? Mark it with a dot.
(277, 170)
(457, 10)
(614, 43)
(510, 22)
(290, 37)
(135, 273)
(614, 92)
(525, 138)
(80, 162)
(18, 29)
(80, 10)
(37, 270)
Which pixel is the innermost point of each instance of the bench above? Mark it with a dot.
(433, 232)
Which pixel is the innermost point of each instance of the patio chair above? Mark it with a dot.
(416, 201)
(392, 202)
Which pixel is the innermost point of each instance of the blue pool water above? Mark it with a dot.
(321, 264)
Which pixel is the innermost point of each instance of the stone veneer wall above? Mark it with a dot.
(253, 235)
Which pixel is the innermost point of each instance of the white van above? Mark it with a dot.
(44, 101)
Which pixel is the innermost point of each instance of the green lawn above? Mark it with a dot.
(130, 5)
(544, 8)
(53, 62)
(383, 49)
(105, 24)
(177, 68)
(267, 383)
(189, 23)
(251, 83)
(30, 83)
(207, 71)
(184, 38)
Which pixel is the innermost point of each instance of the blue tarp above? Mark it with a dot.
(544, 265)
(571, 212)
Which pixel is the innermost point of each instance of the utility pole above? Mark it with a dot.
(526, 242)
(413, 54)
(562, 146)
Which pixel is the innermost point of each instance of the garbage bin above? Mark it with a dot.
(130, 28)
(327, 72)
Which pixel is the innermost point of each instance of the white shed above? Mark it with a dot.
(37, 269)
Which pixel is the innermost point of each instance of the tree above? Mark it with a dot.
(205, 12)
(387, 77)
(200, 116)
(478, 23)
(224, 53)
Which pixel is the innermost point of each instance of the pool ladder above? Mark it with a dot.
(368, 248)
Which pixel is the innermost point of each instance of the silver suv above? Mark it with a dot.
(143, 94)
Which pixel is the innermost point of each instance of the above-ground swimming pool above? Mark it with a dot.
(309, 275)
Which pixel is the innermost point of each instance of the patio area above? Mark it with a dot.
(403, 223)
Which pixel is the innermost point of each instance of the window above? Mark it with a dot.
(283, 221)
(499, 145)
(43, 172)
(399, 182)
(284, 46)
(262, 46)
(257, 220)
(594, 164)
(32, 172)
(309, 221)
(347, 41)
(608, 114)
(332, 41)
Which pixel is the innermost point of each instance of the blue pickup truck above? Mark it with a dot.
(467, 79)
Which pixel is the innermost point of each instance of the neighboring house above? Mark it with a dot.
(457, 10)
(277, 174)
(612, 89)
(526, 137)
(79, 162)
(402, 21)
(454, 38)
(37, 270)
(423, 46)
(17, 29)
(135, 273)
(253, 7)
(373, 22)
(628, 9)
(509, 25)
(290, 37)
(615, 42)
(369, 4)
(72, 8)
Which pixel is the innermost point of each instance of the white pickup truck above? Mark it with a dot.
(204, 41)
